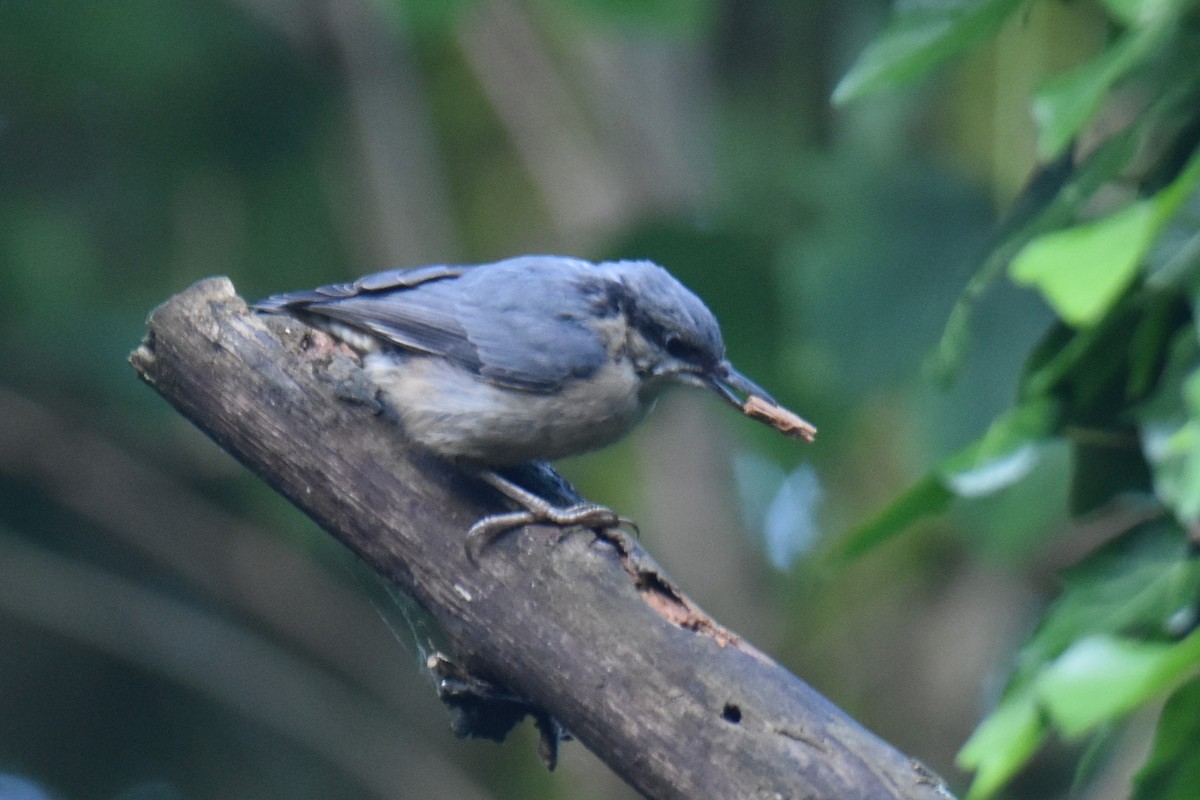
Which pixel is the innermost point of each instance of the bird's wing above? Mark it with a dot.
(378, 282)
(522, 323)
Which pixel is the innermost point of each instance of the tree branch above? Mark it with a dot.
(590, 630)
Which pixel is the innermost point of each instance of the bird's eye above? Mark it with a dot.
(682, 350)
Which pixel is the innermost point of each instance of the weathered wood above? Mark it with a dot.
(591, 632)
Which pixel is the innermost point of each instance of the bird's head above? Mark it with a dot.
(674, 337)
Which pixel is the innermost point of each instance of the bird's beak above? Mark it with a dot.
(752, 400)
(727, 382)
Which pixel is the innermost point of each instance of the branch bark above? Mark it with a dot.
(590, 631)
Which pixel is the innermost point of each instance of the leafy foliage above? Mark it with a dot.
(1173, 770)
(1107, 234)
(921, 36)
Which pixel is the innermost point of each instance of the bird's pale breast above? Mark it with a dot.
(455, 414)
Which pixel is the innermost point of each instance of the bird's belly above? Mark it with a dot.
(456, 415)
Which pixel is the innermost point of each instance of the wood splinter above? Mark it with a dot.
(779, 418)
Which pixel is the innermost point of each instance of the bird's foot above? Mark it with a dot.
(536, 509)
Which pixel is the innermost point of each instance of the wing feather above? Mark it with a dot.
(524, 323)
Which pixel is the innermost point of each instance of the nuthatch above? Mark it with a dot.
(531, 358)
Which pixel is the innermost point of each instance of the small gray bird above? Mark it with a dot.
(531, 358)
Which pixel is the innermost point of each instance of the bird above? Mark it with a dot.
(532, 358)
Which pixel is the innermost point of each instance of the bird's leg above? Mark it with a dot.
(535, 509)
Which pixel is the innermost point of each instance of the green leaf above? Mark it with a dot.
(1137, 583)
(1079, 365)
(1004, 455)
(1169, 427)
(1063, 104)
(1102, 678)
(927, 497)
(1141, 12)
(918, 37)
(1125, 11)
(1002, 744)
(1174, 453)
(1179, 261)
(1160, 323)
(951, 350)
(1052, 200)
(1172, 772)
(1083, 270)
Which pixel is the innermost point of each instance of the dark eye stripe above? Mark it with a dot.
(684, 351)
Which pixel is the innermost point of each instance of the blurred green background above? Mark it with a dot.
(171, 629)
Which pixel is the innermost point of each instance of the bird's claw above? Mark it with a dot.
(535, 509)
(586, 515)
(593, 516)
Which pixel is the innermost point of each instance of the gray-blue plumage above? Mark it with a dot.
(531, 358)
(482, 318)
(527, 323)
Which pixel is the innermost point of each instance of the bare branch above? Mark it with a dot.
(590, 631)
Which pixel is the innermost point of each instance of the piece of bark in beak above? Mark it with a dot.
(779, 418)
